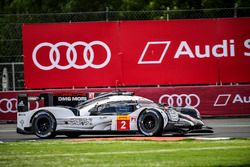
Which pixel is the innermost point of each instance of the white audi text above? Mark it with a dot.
(225, 48)
(241, 99)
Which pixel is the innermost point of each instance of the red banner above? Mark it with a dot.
(209, 100)
(8, 104)
(204, 51)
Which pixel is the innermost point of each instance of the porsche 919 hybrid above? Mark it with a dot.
(108, 113)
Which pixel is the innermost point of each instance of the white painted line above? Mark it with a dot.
(229, 126)
(127, 152)
(212, 138)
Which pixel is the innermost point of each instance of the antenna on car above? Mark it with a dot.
(120, 92)
(115, 92)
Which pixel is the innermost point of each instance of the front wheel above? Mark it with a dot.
(44, 125)
(150, 123)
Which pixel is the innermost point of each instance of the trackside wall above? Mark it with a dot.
(209, 100)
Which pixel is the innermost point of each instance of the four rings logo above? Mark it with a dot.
(10, 105)
(182, 100)
(71, 55)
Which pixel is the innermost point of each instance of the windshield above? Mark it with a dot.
(101, 97)
(147, 103)
(89, 102)
(143, 102)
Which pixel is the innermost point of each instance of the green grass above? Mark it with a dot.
(63, 153)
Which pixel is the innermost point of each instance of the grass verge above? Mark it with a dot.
(125, 153)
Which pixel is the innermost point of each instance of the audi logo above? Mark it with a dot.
(10, 105)
(182, 100)
(71, 55)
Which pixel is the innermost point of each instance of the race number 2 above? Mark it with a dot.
(123, 123)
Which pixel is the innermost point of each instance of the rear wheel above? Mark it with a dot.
(150, 123)
(44, 125)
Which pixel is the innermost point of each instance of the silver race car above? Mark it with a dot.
(111, 113)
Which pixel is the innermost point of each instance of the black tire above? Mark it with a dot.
(44, 125)
(150, 123)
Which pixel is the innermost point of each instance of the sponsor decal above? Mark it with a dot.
(241, 99)
(145, 52)
(222, 100)
(123, 122)
(21, 122)
(85, 122)
(225, 99)
(22, 114)
(224, 49)
(180, 100)
(161, 54)
(133, 119)
(91, 95)
(69, 99)
(10, 105)
(71, 55)
(72, 98)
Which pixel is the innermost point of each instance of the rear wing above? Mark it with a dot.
(23, 100)
(50, 99)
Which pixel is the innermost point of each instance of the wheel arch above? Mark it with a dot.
(50, 131)
(41, 110)
(160, 112)
(163, 114)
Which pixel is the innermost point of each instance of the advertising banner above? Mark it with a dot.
(209, 100)
(129, 53)
(9, 104)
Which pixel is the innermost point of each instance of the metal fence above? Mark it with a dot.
(12, 76)
(11, 29)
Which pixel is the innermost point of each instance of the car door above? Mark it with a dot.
(112, 116)
(103, 116)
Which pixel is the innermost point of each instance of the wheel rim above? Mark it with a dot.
(43, 125)
(149, 122)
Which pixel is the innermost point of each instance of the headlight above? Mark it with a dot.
(173, 115)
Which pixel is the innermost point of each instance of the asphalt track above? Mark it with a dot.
(223, 128)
